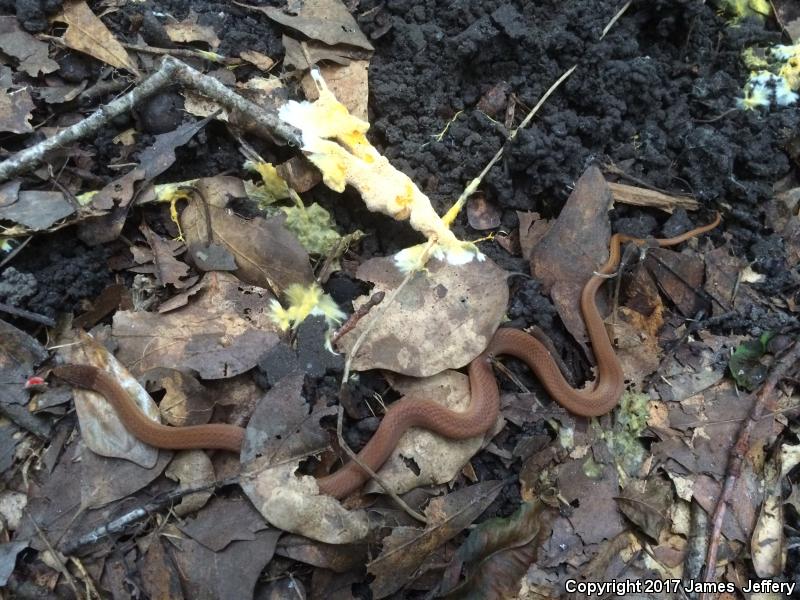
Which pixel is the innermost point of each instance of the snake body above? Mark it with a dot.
(595, 400)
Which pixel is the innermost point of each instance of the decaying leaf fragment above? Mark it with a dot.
(328, 21)
(15, 111)
(497, 554)
(33, 55)
(406, 548)
(293, 503)
(266, 254)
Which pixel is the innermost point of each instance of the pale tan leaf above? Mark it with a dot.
(442, 319)
(86, 33)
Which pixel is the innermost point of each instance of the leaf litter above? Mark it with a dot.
(212, 260)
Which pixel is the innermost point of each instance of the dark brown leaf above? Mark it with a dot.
(496, 555)
(37, 210)
(167, 268)
(15, 111)
(282, 428)
(266, 253)
(339, 558)
(574, 247)
(224, 520)
(160, 578)
(405, 549)
(219, 335)
(230, 573)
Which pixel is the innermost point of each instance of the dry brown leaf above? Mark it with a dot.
(222, 333)
(301, 55)
(338, 558)
(436, 459)
(349, 83)
(266, 253)
(591, 488)
(56, 94)
(86, 33)
(574, 247)
(328, 21)
(193, 469)
(497, 554)
(33, 55)
(679, 276)
(258, 60)
(15, 111)
(159, 575)
(406, 548)
(105, 480)
(441, 320)
(647, 504)
(166, 268)
(37, 210)
(101, 428)
(225, 520)
(230, 573)
(532, 228)
(189, 30)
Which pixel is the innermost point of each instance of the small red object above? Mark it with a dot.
(34, 381)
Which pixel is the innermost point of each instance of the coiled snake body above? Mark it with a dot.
(481, 414)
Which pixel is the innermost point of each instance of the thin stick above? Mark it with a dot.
(359, 314)
(26, 314)
(170, 72)
(354, 457)
(473, 185)
(15, 251)
(787, 362)
(62, 568)
(616, 18)
(136, 515)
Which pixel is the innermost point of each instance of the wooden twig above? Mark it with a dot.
(26, 314)
(785, 363)
(136, 515)
(171, 71)
(359, 314)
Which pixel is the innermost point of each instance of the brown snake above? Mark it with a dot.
(481, 414)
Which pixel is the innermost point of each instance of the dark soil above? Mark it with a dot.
(654, 97)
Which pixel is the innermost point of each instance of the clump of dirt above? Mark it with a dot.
(51, 279)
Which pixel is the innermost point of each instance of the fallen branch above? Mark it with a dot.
(136, 515)
(171, 72)
(785, 364)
